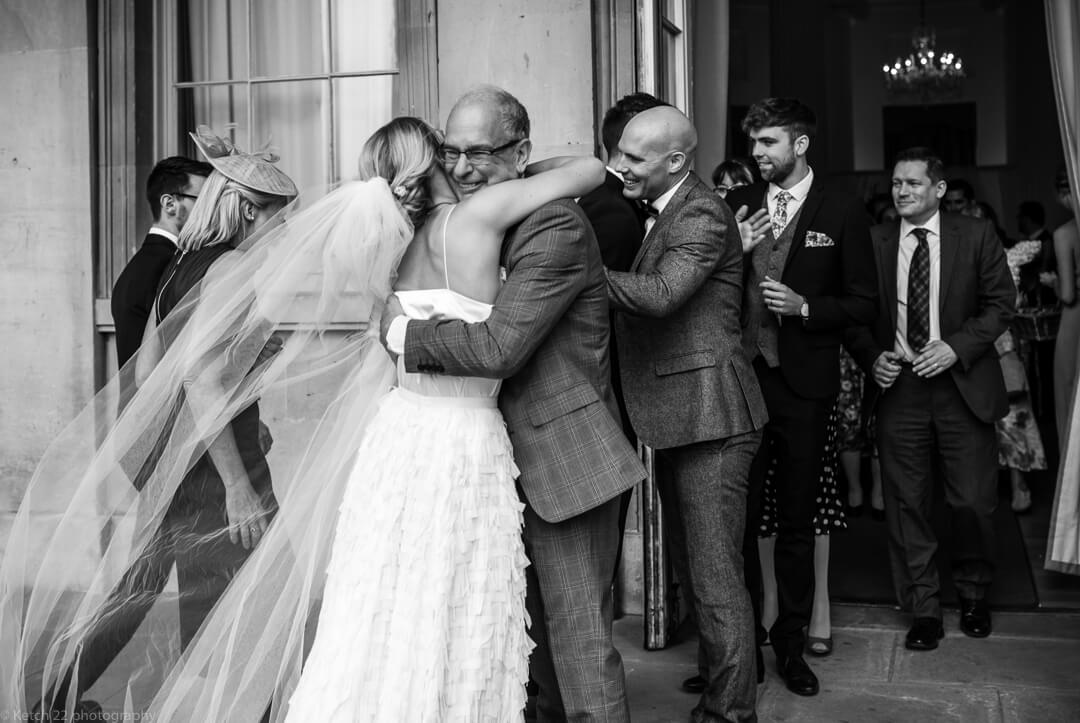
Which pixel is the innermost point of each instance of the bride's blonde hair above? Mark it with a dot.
(404, 152)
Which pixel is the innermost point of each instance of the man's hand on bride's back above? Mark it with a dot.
(392, 310)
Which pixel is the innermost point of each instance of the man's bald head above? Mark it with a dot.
(666, 128)
(654, 152)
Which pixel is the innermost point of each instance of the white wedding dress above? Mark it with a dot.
(423, 616)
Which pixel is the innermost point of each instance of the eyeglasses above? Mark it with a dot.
(187, 195)
(473, 156)
(723, 190)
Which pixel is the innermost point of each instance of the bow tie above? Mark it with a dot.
(651, 210)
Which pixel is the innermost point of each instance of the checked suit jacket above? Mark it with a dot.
(684, 372)
(835, 273)
(976, 302)
(547, 337)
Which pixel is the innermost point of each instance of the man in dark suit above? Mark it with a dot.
(548, 337)
(171, 190)
(690, 391)
(810, 279)
(946, 296)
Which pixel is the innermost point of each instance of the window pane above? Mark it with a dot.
(293, 117)
(287, 38)
(364, 37)
(222, 107)
(360, 106)
(211, 40)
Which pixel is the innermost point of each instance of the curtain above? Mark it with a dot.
(1063, 32)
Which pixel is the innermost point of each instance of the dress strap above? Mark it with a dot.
(446, 270)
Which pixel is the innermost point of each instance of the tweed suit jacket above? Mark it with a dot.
(618, 225)
(834, 271)
(133, 294)
(547, 336)
(976, 303)
(685, 375)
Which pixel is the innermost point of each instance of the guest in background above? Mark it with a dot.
(1067, 253)
(811, 278)
(959, 195)
(982, 209)
(171, 190)
(829, 518)
(1020, 447)
(1031, 222)
(946, 296)
(878, 204)
(731, 174)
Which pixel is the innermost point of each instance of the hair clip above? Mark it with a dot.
(400, 192)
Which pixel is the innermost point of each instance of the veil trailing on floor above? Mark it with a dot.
(318, 276)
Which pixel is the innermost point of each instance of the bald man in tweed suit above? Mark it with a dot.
(547, 337)
(691, 392)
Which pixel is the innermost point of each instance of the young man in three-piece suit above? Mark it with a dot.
(808, 278)
(946, 295)
(171, 190)
(691, 393)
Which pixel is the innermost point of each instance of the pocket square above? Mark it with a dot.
(816, 240)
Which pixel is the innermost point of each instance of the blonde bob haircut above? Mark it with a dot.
(218, 215)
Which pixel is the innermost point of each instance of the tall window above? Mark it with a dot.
(672, 70)
(313, 78)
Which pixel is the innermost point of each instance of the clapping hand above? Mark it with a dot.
(752, 230)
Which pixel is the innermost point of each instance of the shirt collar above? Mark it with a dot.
(933, 225)
(798, 191)
(665, 197)
(159, 231)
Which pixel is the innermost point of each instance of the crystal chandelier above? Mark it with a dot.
(925, 71)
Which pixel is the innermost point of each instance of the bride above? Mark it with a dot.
(394, 566)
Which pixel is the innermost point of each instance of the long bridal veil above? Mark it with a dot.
(95, 505)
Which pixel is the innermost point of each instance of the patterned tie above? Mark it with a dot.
(918, 295)
(779, 217)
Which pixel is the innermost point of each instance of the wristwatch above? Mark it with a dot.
(804, 310)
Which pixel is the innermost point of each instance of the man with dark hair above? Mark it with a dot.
(619, 224)
(946, 296)
(806, 281)
(171, 190)
(959, 196)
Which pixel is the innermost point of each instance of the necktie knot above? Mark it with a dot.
(920, 234)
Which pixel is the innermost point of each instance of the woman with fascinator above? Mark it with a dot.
(394, 564)
(223, 500)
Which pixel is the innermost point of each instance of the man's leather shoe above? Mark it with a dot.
(974, 617)
(695, 685)
(797, 675)
(924, 634)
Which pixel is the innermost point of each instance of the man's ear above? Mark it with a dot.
(676, 162)
(168, 204)
(940, 188)
(521, 155)
(802, 145)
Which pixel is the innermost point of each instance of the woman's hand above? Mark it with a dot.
(245, 513)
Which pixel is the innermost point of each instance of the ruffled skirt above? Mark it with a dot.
(423, 616)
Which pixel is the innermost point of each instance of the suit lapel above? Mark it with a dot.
(950, 244)
(664, 219)
(809, 209)
(888, 244)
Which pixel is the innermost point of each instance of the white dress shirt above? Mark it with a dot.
(908, 242)
(159, 231)
(660, 203)
(798, 195)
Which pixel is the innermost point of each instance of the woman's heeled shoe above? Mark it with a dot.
(819, 646)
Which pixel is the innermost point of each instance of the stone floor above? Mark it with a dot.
(1028, 670)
